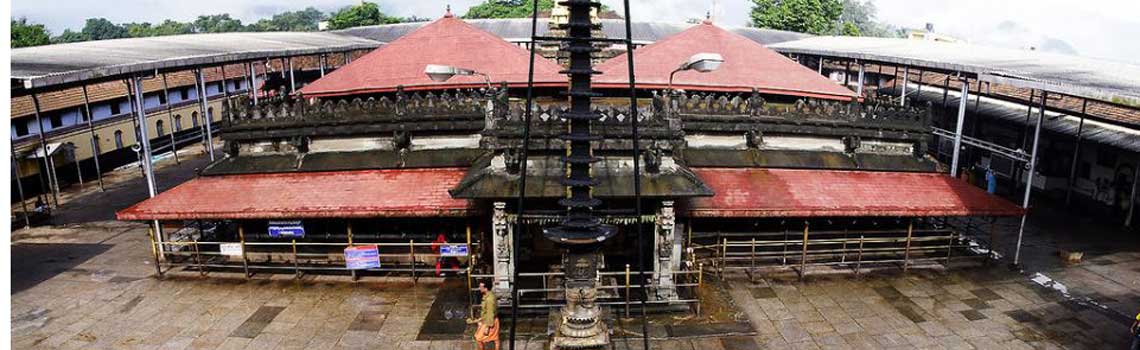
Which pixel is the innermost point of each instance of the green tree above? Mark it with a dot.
(365, 14)
(849, 29)
(804, 16)
(102, 29)
(29, 34)
(69, 36)
(507, 8)
(221, 23)
(294, 21)
(861, 13)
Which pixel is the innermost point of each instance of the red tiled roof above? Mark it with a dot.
(814, 193)
(447, 41)
(746, 65)
(343, 194)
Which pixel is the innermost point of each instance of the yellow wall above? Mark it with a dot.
(81, 137)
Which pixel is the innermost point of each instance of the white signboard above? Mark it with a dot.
(231, 249)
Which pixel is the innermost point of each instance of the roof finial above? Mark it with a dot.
(708, 18)
(448, 13)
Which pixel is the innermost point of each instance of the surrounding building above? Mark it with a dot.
(761, 163)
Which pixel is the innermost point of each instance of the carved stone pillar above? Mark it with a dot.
(502, 236)
(667, 252)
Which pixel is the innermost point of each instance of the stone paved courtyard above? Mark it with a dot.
(91, 286)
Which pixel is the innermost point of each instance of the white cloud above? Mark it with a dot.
(1097, 28)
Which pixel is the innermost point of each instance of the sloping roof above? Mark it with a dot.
(98, 92)
(1127, 138)
(755, 192)
(447, 41)
(45, 66)
(518, 30)
(344, 194)
(1074, 75)
(747, 65)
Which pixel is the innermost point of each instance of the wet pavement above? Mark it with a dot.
(88, 283)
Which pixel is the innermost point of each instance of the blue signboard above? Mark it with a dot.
(453, 250)
(288, 228)
(362, 257)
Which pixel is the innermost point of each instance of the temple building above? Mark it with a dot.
(761, 164)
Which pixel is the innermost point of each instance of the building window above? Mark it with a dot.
(83, 114)
(159, 128)
(56, 121)
(194, 119)
(118, 139)
(177, 122)
(21, 128)
(115, 108)
(237, 84)
(185, 93)
(162, 98)
(210, 112)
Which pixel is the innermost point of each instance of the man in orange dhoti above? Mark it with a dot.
(488, 330)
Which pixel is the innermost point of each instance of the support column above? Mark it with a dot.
(292, 78)
(321, 61)
(95, 150)
(47, 167)
(859, 90)
(906, 80)
(501, 238)
(1029, 180)
(1076, 157)
(202, 101)
(253, 82)
(170, 116)
(958, 130)
(667, 256)
(146, 159)
(1132, 197)
(20, 188)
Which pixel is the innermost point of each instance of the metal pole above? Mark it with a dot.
(820, 65)
(909, 237)
(921, 74)
(348, 228)
(244, 258)
(321, 61)
(225, 89)
(527, 114)
(1029, 181)
(46, 170)
(847, 74)
(170, 116)
(859, 90)
(1132, 197)
(20, 188)
(803, 254)
(202, 101)
(636, 176)
(292, 78)
(253, 82)
(95, 149)
(958, 130)
(146, 160)
(905, 82)
(1076, 156)
(154, 248)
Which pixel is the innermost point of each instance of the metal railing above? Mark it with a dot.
(611, 292)
(799, 251)
(411, 258)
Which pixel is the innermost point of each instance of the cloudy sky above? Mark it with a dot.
(1096, 28)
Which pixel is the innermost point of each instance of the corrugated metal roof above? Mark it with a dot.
(44, 66)
(446, 41)
(1073, 75)
(518, 29)
(1062, 123)
(343, 194)
(753, 192)
(747, 65)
